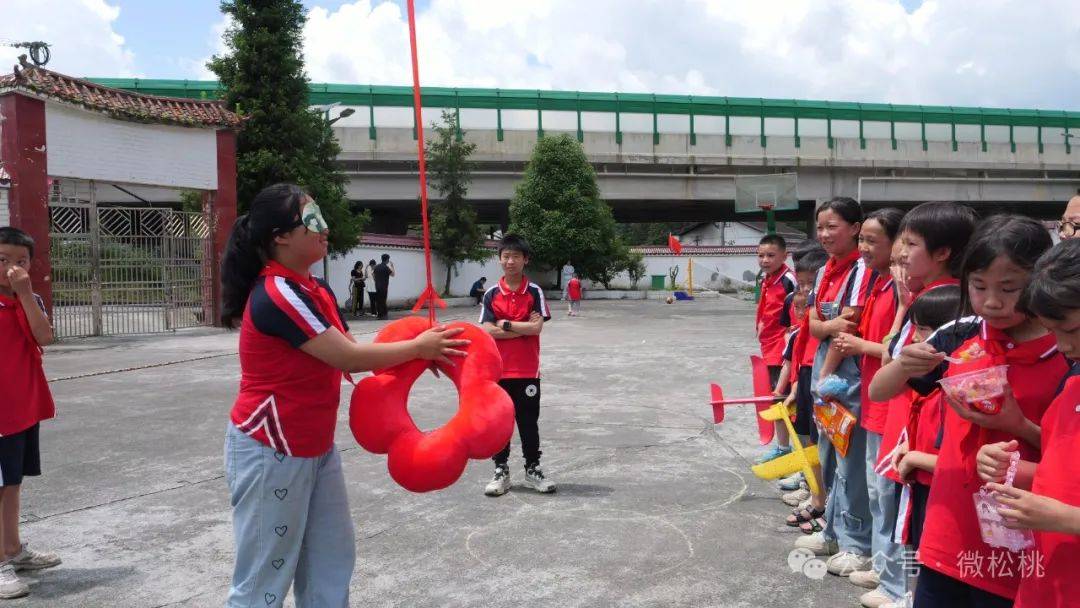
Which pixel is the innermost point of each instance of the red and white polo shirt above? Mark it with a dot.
(521, 356)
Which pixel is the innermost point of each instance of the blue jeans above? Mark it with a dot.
(884, 494)
(292, 526)
(847, 509)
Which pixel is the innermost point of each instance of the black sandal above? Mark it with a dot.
(803, 515)
(814, 525)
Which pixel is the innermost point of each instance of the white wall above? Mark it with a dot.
(709, 271)
(410, 278)
(729, 233)
(87, 145)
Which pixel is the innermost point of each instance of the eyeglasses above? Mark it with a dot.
(1068, 229)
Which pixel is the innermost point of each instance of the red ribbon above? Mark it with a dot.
(429, 295)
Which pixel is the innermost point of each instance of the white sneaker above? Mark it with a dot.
(875, 599)
(794, 499)
(816, 542)
(500, 482)
(867, 579)
(843, 564)
(28, 559)
(11, 586)
(534, 478)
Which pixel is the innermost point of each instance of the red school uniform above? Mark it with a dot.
(288, 399)
(877, 320)
(951, 541)
(521, 356)
(1057, 555)
(573, 289)
(771, 332)
(26, 396)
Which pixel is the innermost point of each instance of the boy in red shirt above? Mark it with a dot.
(573, 294)
(514, 314)
(25, 402)
(777, 284)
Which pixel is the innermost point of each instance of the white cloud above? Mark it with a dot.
(80, 32)
(953, 52)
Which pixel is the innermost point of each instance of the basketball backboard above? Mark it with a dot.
(757, 193)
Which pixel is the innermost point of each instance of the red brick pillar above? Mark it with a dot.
(23, 152)
(221, 207)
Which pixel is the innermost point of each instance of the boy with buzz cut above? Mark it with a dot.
(514, 314)
(25, 401)
(776, 285)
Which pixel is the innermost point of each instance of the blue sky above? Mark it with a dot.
(998, 53)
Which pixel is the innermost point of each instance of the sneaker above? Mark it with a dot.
(534, 478)
(817, 543)
(795, 482)
(796, 498)
(867, 579)
(500, 482)
(875, 599)
(774, 453)
(28, 559)
(843, 564)
(10, 585)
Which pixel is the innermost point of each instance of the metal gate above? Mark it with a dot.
(125, 270)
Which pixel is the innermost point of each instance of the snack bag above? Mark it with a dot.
(836, 422)
(992, 524)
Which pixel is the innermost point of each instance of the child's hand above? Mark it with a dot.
(1010, 419)
(905, 466)
(843, 323)
(992, 461)
(1025, 510)
(436, 344)
(19, 280)
(919, 359)
(844, 343)
(898, 456)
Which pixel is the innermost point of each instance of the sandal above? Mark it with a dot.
(803, 515)
(814, 525)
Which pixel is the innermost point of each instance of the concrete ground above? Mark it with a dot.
(656, 506)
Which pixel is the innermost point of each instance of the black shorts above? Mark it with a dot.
(20, 457)
(804, 405)
(920, 495)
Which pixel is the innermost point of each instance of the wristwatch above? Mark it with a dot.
(506, 325)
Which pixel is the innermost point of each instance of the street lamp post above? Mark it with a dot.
(345, 113)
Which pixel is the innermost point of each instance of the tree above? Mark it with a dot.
(455, 235)
(557, 207)
(650, 233)
(282, 140)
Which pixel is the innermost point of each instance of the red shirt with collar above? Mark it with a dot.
(1057, 476)
(26, 399)
(877, 320)
(770, 331)
(521, 356)
(288, 399)
(951, 530)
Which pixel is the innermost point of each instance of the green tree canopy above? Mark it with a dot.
(282, 140)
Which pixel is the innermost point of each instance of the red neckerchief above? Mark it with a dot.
(23, 321)
(885, 283)
(937, 283)
(319, 295)
(768, 281)
(835, 270)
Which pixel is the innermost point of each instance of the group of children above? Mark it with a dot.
(886, 340)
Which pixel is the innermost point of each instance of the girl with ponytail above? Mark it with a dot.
(290, 512)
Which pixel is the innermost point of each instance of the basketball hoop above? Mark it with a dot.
(765, 206)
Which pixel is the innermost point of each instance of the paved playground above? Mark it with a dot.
(655, 505)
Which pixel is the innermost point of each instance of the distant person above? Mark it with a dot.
(369, 275)
(356, 286)
(477, 290)
(24, 403)
(1069, 227)
(573, 294)
(382, 273)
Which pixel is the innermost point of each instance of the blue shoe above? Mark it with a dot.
(773, 454)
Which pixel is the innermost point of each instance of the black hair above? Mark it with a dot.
(798, 250)
(274, 211)
(358, 264)
(774, 239)
(846, 207)
(386, 257)
(513, 242)
(10, 235)
(890, 219)
(1054, 288)
(371, 262)
(936, 307)
(811, 261)
(482, 279)
(943, 224)
(1020, 238)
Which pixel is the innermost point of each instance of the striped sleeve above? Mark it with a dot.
(282, 309)
(788, 280)
(860, 282)
(487, 311)
(540, 304)
(945, 339)
(789, 345)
